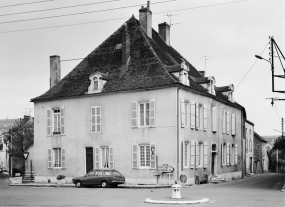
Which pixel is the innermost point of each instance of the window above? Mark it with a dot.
(236, 154)
(56, 158)
(214, 118)
(201, 154)
(223, 154)
(250, 145)
(233, 124)
(144, 156)
(186, 154)
(104, 157)
(95, 119)
(198, 116)
(232, 154)
(184, 113)
(97, 82)
(226, 122)
(143, 114)
(55, 121)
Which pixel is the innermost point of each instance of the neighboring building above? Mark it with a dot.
(249, 131)
(261, 161)
(135, 104)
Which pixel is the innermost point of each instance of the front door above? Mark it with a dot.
(250, 165)
(89, 159)
(213, 164)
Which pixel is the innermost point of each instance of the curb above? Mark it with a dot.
(283, 189)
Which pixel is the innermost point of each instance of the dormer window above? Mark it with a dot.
(183, 75)
(98, 81)
(211, 85)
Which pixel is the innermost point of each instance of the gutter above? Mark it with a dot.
(177, 115)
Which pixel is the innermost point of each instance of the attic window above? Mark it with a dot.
(118, 46)
(96, 83)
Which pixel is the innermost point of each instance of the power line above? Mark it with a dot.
(34, 2)
(26, 12)
(80, 13)
(83, 23)
(250, 68)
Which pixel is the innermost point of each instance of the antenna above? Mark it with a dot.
(170, 17)
(206, 57)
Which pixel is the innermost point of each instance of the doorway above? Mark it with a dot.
(89, 159)
(250, 164)
(213, 163)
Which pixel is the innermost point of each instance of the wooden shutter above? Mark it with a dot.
(63, 158)
(49, 122)
(236, 154)
(197, 116)
(135, 155)
(62, 121)
(228, 154)
(232, 154)
(182, 112)
(134, 112)
(193, 114)
(214, 119)
(228, 122)
(224, 121)
(233, 124)
(183, 156)
(93, 119)
(111, 157)
(152, 156)
(152, 112)
(222, 154)
(192, 154)
(49, 158)
(98, 119)
(97, 157)
(205, 117)
(205, 150)
(197, 154)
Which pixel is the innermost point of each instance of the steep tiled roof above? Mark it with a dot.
(222, 88)
(152, 62)
(260, 137)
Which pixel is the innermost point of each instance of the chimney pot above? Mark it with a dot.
(164, 32)
(146, 20)
(54, 70)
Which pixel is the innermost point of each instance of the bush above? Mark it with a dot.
(60, 177)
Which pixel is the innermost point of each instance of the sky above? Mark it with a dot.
(224, 34)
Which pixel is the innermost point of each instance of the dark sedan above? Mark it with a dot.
(103, 177)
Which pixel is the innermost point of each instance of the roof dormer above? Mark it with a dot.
(97, 82)
(183, 74)
(227, 91)
(207, 83)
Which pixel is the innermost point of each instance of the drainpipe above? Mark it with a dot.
(177, 114)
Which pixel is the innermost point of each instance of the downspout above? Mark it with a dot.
(177, 125)
(242, 151)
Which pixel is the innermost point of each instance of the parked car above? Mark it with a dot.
(103, 177)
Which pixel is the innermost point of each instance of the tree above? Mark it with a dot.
(279, 145)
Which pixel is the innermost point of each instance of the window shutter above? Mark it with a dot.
(228, 122)
(222, 154)
(135, 154)
(93, 117)
(49, 158)
(197, 153)
(63, 158)
(192, 155)
(97, 157)
(236, 154)
(214, 119)
(193, 114)
(111, 157)
(182, 110)
(228, 154)
(153, 156)
(98, 119)
(152, 112)
(134, 112)
(62, 121)
(233, 124)
(197, 116)
(183, 155)
(224, 121)
(205, 117)
(205, 154)
(48, 122)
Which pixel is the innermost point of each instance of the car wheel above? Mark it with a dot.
(104, 184)
(78, 184)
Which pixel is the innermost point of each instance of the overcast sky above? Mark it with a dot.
(228, 32)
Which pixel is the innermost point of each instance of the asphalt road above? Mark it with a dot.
(261, 190)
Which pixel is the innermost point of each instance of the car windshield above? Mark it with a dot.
(117, 173)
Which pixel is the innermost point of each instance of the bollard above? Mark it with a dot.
(176, 188)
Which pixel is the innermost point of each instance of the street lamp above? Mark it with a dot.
(261, 58)
(11, 149)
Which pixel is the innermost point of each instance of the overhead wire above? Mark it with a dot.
(34, 2)
(65, 7)
(250, 68)
(79, 13)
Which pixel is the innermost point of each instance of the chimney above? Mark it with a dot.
(54, 70)
(164, 32)
(146, 20)
(125, 46)
(202, 73)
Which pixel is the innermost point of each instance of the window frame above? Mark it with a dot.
(55, 114)
(96, 115)
(59, 154)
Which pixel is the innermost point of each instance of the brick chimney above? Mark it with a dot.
(54, 70)
(146, 20)
(164, 32)
(125, 46)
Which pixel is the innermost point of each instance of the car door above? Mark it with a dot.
(108, 176)
(97, 177)
(88, 179)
